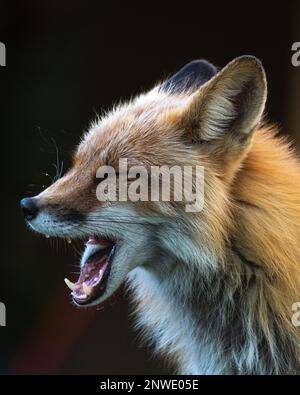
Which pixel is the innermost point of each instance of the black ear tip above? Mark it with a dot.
(203, 67)
(190, 77)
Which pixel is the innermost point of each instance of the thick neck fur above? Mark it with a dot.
(232, 315)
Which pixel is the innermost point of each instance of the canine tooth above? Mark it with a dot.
(87, 289)
(69, 241)
(47, 236)
(71, 285)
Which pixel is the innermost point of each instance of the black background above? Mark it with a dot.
(67, 60)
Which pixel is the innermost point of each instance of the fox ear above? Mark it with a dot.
(231, 103)
(190, 77)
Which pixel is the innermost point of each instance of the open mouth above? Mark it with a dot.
(95, 270)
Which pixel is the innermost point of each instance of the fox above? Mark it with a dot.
(212, 291)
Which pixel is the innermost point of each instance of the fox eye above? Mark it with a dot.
(135, 177)
(98, 180)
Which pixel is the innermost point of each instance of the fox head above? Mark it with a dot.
(199, 116)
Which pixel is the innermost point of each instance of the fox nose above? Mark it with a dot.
(29, 208)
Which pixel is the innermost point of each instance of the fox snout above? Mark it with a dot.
(51, 216)
(32, 207)
(64, 203)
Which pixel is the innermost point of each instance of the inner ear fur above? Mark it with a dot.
(230, 105)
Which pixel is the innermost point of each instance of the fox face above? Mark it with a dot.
(197, 117)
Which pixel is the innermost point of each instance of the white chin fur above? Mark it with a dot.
(46, 224)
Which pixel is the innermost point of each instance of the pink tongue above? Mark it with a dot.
(91, 275)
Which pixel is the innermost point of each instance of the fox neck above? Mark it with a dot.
(234, 317)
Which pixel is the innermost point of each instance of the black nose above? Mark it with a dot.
(29, 208)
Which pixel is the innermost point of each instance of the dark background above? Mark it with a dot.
(67, 60)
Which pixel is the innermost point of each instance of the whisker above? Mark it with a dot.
(58, 165)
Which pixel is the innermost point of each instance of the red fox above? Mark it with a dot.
(214, 290)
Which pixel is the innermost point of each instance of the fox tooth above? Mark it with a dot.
(71, 285)
(87, 289)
